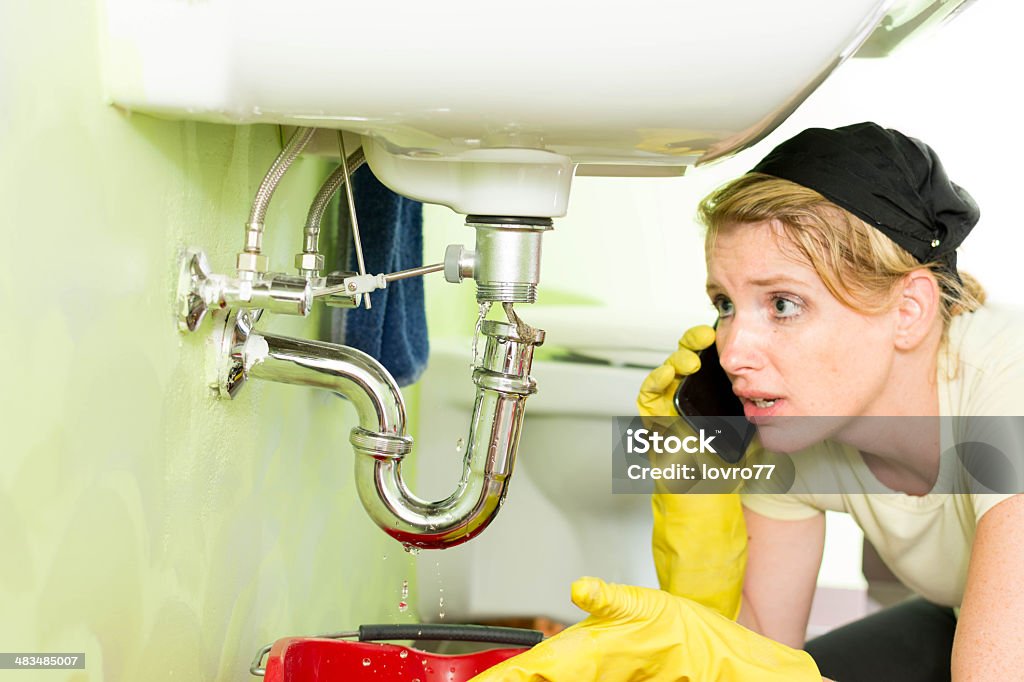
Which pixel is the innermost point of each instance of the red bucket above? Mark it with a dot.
(333, 659)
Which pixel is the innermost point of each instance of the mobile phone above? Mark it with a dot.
(705, 401)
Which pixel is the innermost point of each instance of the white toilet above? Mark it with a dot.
(560, 519)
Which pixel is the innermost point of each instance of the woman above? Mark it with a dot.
(852, 305)
(833, 269)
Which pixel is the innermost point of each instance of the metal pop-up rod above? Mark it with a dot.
(352, 214)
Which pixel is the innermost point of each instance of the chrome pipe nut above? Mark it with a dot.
(309, 262)
(252, 262)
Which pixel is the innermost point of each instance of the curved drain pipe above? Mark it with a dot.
(503, 384)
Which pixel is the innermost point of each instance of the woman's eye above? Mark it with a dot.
(723, 306)
(784, 307)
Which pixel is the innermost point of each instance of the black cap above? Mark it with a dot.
(892, 182)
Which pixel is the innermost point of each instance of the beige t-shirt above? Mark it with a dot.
(926, 540)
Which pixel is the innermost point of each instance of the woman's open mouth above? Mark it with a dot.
(761, 407)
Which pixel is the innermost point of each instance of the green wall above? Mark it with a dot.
(166, 534)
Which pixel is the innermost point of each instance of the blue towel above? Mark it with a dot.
(394, 330)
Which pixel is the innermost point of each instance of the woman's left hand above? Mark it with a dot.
(640, 633)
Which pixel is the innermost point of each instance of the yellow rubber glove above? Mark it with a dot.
(636, 633)
(700, 548)
(699, 541)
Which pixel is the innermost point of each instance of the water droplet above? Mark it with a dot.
(405, 589)
(366, 662)
(412, 549)
(459, 445)
(403, 654)
(402, 606)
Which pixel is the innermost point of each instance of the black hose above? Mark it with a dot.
(451, 632)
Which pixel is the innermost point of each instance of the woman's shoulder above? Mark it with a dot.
(984, 363)
(990, 338)
(990, 324)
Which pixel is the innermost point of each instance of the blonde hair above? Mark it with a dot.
(858, 264)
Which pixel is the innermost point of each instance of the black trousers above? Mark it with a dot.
(909, 642)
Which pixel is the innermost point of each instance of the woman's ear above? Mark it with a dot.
(917, 308)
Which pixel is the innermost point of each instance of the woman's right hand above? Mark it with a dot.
(658, 389)
(699, 541)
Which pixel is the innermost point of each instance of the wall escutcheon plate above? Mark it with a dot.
(193, 271)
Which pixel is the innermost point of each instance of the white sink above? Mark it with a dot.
(489, 108)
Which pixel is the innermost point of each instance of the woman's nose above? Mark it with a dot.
(739, 348)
